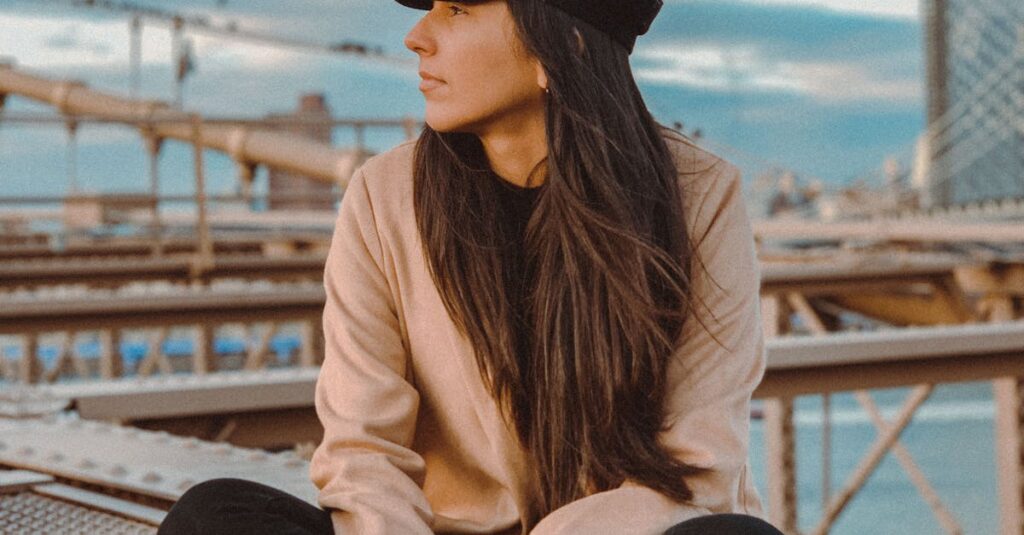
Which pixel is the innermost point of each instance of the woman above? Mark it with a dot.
(542, 317)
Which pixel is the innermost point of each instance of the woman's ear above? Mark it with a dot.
(542, 77)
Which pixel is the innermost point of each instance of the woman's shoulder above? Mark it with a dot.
(698, 166)
(703, 175)
(387, 177)
(711, 187)
(389, 167)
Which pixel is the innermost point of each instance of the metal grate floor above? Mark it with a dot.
(26, 513)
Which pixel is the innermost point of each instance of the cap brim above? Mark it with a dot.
(427, 5)
(417, 4)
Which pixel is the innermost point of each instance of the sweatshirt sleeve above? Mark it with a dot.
(719, 362)
(364, 468)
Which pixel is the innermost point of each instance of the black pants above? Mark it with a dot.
(229, 506)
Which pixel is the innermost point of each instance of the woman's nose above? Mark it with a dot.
(418, 40)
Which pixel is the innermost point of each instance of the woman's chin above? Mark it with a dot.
(450, 119)
(440, 122)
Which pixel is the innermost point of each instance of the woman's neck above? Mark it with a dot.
(515, 150)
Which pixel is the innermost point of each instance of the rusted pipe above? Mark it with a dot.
(281, 150)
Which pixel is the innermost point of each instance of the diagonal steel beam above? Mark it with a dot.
(874, 456)
(906, 460)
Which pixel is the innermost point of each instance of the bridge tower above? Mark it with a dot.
(975, 107)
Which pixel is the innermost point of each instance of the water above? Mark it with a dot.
(134, 350)
(951, 440)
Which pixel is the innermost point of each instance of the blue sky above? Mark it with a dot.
(827, 88)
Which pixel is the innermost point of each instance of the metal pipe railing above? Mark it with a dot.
(245, 144)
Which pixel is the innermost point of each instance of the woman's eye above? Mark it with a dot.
(455, 10)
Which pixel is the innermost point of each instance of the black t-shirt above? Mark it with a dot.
(517, 204)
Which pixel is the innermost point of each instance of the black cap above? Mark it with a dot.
(623, 20)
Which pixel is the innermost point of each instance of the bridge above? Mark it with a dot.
(916, 290)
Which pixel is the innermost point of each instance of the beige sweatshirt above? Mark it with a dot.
(414, 443)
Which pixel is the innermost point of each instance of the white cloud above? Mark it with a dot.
(43, 42)
(747, 68)
(47, 42)
(903, 9)
(711, 67)
(839, 82)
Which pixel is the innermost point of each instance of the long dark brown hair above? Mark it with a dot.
(606, 259)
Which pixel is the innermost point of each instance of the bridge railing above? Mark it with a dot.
(262, 309)
(920, 358)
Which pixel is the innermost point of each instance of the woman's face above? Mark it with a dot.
(475, 73)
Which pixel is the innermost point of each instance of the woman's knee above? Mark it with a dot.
(207, 503)
(213, 489)
(724, 524)
(216, 494)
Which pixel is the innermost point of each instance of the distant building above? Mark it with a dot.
(975, 61)
(290, 191)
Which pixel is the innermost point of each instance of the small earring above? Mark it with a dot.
(547, 91)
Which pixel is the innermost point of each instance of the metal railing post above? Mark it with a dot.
(135, 55)
(780, 448)
(72, 155)
(1009, 396)
(204, 250)
(30, 369)
(1009, 434)
(779, 434)
(153, 145)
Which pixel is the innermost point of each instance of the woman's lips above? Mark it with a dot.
(429, 82)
